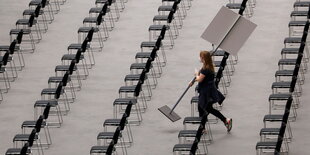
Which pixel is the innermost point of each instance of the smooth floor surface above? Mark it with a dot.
(246, 103)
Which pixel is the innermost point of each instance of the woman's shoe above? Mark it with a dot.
(228, 124)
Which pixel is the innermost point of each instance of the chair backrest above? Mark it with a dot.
(148, 65)
(242, 7)
(170, 16)
(116, 135)
(128, 109)
(304, 35)
(123, 121)
(19, 37)
(84, 45)
(293, 84)
(308, 15)
(194, 147)
(301, 48)
(163, 32)
(158, 41)
(110, 148)
(138, 89)
(296, 70)
(71, 67)
(218, 76)
(24, 149)
(58, 90)
(43, 3)
(31, 137)
(12, 46)
(31, 19)
(90, 34)
(46, 111)
(37, 11)
(78, 55)
(39, 123)
(142, 76)
(153, 53)
(65, 79)
(5, 58)
(99, 18)
(105, 8)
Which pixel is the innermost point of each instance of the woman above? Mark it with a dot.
(208, 93)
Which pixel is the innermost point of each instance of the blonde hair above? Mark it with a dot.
(206, 59)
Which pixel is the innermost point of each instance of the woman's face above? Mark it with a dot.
(200, 59)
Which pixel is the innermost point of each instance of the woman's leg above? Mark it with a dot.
(216, 113)
(201, 111)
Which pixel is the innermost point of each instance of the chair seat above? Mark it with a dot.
(37, 2)
(269, 131)
(302, 4)
(137, 66)
(287, 62)
(87, 29)
(104, 1)
(284, 73)
(266, 145)
(99, 149)
(192, 120)
(165, 8)
(217, 63)
(280, 96)
(7, 48)
(160, 18)
(16, 31)
(148, 44)
(219, 53)
(233, 5)
(143, 55)
(71, 57)
(43, 103)
(297, 23)
(16, 151)
(273, 118)
(127, 89)
(124, 101)
(299, 13)
(90, 20)
(111, 122)
(157, 27)
(182, 147)
(187, 133)
(133, 77)
(10, 58)
(97, 10)
(282, 84)
(107, 135)
(56, 79)
(50, 91)
(24, 22)
(23, 137)
(77, 46)
(195, 99)
(31, 124)
(292, 40)
(64, 68)
(289, 50)
(31, 12)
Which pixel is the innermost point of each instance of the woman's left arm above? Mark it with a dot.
(199, 77)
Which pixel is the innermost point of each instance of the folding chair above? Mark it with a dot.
(25, 150)
(105, 8)
(115, 136)
(49, 108)
(30, 139)
(29, 39)
(117, 122)
(38, 124)
(108, 150)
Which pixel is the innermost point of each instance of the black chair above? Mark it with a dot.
(39, 16)
(115, 136)
(105, 8)
(248, 12)
(275, 146)
(115, 10)
(108, 150)
(19, 151)
(38, 125)
(30, 138)
(169, 21)
(28, 24)
(3, 71)
(73, 71)
(97, 22)
(297, 23)
(28, 40)
(84, 47)
(120, 122)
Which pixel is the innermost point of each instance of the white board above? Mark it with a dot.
(227, 30)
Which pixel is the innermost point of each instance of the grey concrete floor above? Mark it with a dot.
(246, 103)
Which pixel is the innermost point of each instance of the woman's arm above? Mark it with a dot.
(199, 77)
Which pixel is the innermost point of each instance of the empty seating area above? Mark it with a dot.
(88, 77)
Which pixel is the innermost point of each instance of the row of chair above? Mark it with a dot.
(55, 100)
(248, 5)
(28, 31)
(287, 88)
(133, 96)
(190, 141)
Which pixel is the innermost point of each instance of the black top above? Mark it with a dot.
(207, 81)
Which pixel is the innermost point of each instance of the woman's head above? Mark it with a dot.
(206, 59)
